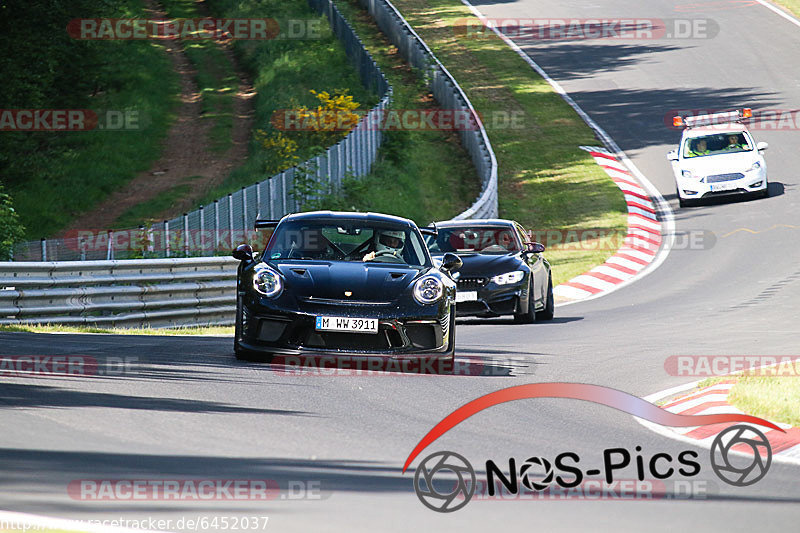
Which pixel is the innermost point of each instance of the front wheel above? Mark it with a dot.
(550, 306)
(529, 315)
(240, 353)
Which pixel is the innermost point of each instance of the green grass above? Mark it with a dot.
(54, 328)
(545, 180)
(216, 78)
(149, 211)
(52, 176)
(773, 397)
(792, 6)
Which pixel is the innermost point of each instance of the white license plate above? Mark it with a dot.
(466, 296)
(351, 325)
(723, 186)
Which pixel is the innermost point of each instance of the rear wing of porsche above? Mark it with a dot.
(265, 224)
(430, 230)
(715, 118)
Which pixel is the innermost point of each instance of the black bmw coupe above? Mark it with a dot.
(332, 283)
(503, 273)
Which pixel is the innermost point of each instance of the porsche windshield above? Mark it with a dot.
(347, 240)
(481, 239)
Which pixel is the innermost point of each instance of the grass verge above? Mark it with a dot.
(55, 328)
(545, 181)
(775, 398)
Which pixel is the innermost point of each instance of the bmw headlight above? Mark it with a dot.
(428, 290)
(755, 166)
(267, 282)
(509, 277)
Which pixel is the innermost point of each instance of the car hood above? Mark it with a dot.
(488, 265)
(332, 279)
(720, 164)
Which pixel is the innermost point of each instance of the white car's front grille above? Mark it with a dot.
(717, 178)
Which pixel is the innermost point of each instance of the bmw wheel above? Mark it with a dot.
(529, 315)
(549, 306)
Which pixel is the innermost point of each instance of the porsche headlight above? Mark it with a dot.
(428, 290)
(755, 166)
(509, 277)
(267, 282)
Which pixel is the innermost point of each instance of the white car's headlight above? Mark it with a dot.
(755, 166)
(428, 290)
(688, 174)
(266, 281)
(509, 277)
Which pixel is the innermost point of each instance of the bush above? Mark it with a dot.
(11, 229)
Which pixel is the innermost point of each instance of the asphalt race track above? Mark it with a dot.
(187, 409)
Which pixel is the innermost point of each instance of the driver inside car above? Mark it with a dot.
(387, 242)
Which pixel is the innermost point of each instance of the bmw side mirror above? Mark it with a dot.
(672, 155)
(762, 146)
(451, 262)
(243, 252)
(534, 247)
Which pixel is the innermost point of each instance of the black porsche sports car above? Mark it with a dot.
(344, 283)
(503, 272)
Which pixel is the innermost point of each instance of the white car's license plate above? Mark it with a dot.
(351, 325)
(723, 186)
(466, 296)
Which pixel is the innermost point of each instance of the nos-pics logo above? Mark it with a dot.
(445, 481)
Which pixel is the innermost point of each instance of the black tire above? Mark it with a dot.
(240, 353)
(448, 360)
(549, 306)
(529, 315)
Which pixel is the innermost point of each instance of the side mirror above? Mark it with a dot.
(672, 155)
(534, 247)
(243, 252)
(451, 262)
(762, 146)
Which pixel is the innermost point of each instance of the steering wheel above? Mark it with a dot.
(387, 253)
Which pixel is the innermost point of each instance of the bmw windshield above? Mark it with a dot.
(477, 239)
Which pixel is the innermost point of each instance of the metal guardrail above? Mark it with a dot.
(155, 292)
(201, 291)
(450, 96)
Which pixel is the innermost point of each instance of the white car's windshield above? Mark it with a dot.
(718, 143)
